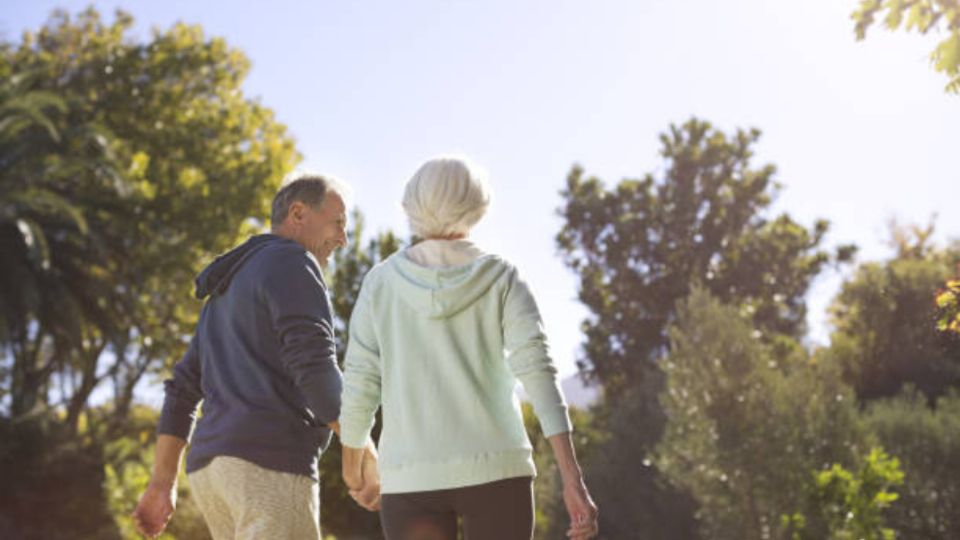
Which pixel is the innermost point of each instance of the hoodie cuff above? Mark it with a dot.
(555, 421)
(176, 419)
(354, 434)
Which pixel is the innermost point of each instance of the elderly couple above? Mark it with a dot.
(440, 333)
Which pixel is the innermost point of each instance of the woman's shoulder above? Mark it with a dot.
(379, 273)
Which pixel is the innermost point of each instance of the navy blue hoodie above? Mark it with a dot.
(262, 360)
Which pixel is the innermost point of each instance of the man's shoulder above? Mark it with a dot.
(286, 254)
(281, 260)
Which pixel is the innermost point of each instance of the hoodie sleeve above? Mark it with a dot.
(361, 378)
(182, 393)
(529, 359)
(296, 298)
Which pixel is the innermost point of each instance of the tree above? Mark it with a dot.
(853, 504)
(46, 290)
(927, 442)
(924, 16)
(885, 321)
(948, 305)
(185, 166)
(126, 165)
(639, 246)
(748, 421)
(634, 494)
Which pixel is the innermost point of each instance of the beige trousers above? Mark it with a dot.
(243, 501)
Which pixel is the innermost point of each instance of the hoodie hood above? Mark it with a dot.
(215, 278)
(440, 293)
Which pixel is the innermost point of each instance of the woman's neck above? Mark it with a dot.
(454, 236)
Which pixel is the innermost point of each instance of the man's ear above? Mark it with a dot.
(296, 211)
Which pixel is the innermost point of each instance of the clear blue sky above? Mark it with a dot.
(860, 132)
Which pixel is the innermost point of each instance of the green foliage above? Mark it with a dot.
(927, 442)
(128, 462)
(885, 321)
(948, 305)
(853, 504)
(639, 247)
(123, 165)
(923, 16)
(146, 159)
(747, 420)
(47, 290)
(632, 492)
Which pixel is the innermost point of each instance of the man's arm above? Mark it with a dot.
(296, 298)
(183, 393)
(159, 500)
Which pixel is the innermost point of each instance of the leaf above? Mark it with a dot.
(36, 242)
(894, 14)
(946, 299)
(946, 56)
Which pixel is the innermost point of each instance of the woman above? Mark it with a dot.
(428, 338)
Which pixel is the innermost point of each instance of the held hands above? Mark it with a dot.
(361, 476)
(155, 509)
(583, 512)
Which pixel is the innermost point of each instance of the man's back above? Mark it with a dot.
(262, 359)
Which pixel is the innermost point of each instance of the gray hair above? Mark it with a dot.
(307, 187)
(447, 195)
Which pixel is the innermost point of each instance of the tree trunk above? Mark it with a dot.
(90, 358)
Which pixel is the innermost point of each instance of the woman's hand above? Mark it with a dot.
(361, 476)
(582, 510)
(369, 495)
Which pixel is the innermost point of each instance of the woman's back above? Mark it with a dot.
(439, 336)
(436, 336)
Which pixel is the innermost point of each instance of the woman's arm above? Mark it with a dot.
(530, 362)
(580, 506)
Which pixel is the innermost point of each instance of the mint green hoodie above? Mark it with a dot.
(441, 350)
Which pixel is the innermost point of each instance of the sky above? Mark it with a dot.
(860, 132)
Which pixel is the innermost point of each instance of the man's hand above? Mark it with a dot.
(582, 511)
(368, 496)
(155, 509)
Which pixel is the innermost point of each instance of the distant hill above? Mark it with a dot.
(578, 394)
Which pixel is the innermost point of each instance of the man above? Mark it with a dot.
(263, 362)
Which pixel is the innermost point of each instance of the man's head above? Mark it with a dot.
(310, 209)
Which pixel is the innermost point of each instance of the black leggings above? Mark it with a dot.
(501, 510)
